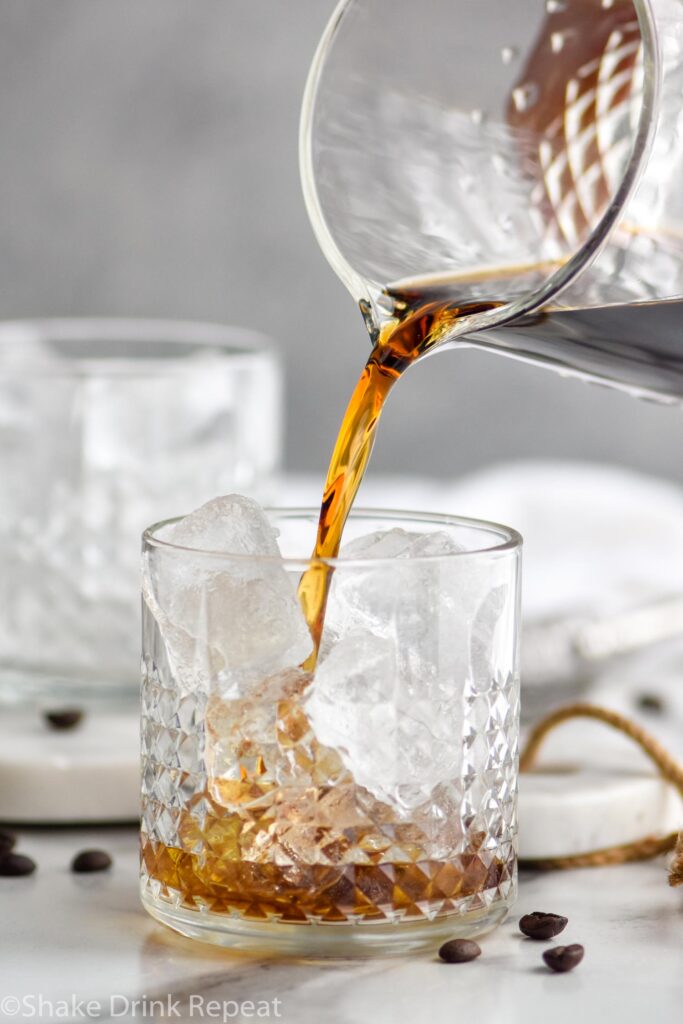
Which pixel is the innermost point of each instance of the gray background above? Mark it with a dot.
(149, 167)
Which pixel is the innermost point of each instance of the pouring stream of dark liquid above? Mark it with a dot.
(421, 322)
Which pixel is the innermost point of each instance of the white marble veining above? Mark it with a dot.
(86, 937)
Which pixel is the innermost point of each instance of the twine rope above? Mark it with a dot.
(669, 768)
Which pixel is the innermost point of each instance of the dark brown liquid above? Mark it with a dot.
(226, 884)
(423, 319)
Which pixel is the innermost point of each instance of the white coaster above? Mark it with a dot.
(594, 788)
(567, 812)
(87, 774)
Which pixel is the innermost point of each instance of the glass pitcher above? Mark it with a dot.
(523, 153)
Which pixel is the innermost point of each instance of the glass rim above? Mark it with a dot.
(229, 343)
(510, 539)
(564, 272)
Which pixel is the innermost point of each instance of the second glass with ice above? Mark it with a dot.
(365, 805)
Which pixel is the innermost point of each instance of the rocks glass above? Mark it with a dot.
(365, 807)
(104, 425)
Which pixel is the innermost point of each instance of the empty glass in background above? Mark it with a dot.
(369, 809)
(105, 425)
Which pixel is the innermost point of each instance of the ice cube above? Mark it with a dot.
(243, 755)
(232, 524)
(485, 627)
(364, 596)
(265, 741)
(290, 796)
(416, 607)
(406, 645)
(230, 621)
(399, 543)
(442, 613)
(397, 741)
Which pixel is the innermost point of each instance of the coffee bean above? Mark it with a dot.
(541, 925)
(66, 718)
(7, 840)
(650, 702)
(459, 951)
(91, 860)
(563, 958)
(12, 865)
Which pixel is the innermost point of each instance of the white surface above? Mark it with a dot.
(87, 936)
(87, 774)
(578, 810)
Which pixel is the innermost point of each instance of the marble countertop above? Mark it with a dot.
(71, 938)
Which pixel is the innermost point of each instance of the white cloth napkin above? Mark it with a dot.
(597, 538)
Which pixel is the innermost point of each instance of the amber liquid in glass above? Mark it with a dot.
(346, 864)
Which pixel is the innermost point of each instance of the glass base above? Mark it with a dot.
(326, 941)
(27, 687)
